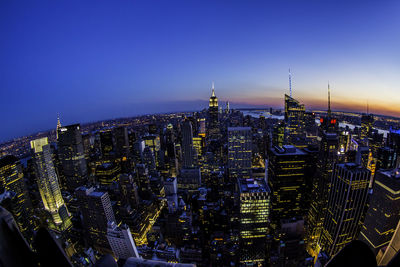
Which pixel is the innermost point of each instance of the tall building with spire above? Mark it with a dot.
(329, 123)
(328, 155)
(367, 121)
(227, 110)
(294, 122)
(48, 185)
(294, 133)
(213, 116)
(58, 125)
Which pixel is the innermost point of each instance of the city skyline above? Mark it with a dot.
(139, 58)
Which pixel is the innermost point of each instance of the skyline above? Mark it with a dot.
(92, 62)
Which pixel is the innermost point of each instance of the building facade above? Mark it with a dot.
(48, 185)
(346, 205)
(239, 152)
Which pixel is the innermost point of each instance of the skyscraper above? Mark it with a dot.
(171, 192)
(107, 143)
(12, 181)
(391, 250)
(129, 190)
(97, 211)
(239, 152)
(58, 125)
(294, 122)
(48, 185)
(121, 241)
(286, 177)
(121, 141)
(384, 210)
(72, 156)
(328, 155)
(190, 179)
(189, 153)
(329, 123)
(386, 158)
(346, 204)
(367, 121)
(213, 116)
(254, 220)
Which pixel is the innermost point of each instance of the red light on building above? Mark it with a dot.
(321, 120)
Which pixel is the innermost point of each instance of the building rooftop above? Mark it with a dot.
(7, 160)
(170, 179)
(287, 150)
(96, 193)
(393, 173)
(253, 185)
(354, 167)
(239, 129)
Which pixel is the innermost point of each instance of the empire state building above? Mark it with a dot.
(213, 123)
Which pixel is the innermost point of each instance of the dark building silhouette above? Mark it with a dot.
(72, 156)
(13, 185)
(384, 210)
(97, 211)
(286, 177)
(346, 204)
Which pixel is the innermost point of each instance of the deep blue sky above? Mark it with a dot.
(92, 60)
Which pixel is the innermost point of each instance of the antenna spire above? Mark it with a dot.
(213, 93)
(329, 100)
(290, 83)
(367, 108)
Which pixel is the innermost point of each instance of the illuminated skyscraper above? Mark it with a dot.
(367, 121)
(202, 126)
(12, 181)
(239, 152)
(346, 204)
(254, 220)
(48, 185)
(294, 122)
(121, 241)
(278, 134)
(384, 210)
(96, 211)
(72, 156)
(213, 116)
(189, 153)
(286, 177)
(328, 155)
(153, 142)
(107, 173)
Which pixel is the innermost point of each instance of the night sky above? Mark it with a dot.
(93, 60)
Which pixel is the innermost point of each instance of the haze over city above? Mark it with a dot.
(96, 60)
